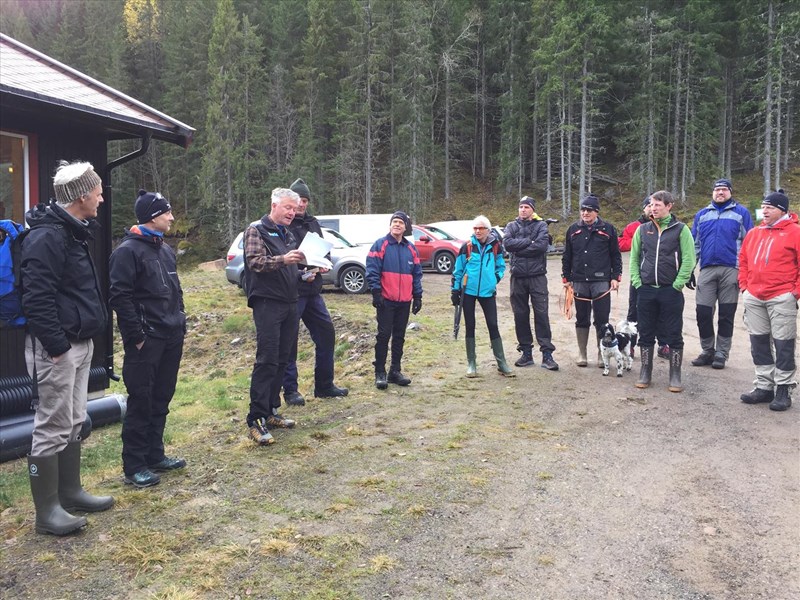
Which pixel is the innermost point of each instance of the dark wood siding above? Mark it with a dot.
(59, 140)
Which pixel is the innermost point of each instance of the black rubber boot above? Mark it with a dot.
(646, 374)
(757, 396)
(783, 398)
(50, 515)
(70, 491)
(675, 360)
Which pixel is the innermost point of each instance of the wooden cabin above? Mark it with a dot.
(50, 112)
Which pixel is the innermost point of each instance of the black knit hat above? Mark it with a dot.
(645, 202)
(591, 202)
(399, 214)
(527, 200)
(149, 205)
(724, 183)
(777, 199)
(300, 188)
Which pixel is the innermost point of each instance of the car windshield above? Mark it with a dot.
(339, 237)
(439, 233)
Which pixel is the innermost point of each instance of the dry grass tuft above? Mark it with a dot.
(382, 562)
(278, 547)
(417, 510)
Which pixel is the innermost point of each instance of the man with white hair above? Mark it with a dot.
(65, 309)
(271, 275)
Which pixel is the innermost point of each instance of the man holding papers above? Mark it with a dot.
(311, 307)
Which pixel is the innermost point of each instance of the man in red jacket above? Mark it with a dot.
(769, 277)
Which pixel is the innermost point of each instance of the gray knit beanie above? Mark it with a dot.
(73, 180)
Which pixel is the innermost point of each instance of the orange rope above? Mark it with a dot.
(565, 302)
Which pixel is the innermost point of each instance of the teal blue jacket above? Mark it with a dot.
(483, 266)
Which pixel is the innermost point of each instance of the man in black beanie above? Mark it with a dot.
(526, 239)
(146, 295)
(312, 311)
(769, 277)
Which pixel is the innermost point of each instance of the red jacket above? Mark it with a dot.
(626, 238)
(769, 262)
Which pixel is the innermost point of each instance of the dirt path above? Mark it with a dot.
(620, 492)
(556, 486)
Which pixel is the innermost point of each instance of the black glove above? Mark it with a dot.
(416, 305)
(377, 299)
(692, 283)
(455, 297)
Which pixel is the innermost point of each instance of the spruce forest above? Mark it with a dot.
(384, 104)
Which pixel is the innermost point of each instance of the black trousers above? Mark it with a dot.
(276, 333)
(392, 320)
(150, 376)
(535, 289)
(489, 307)
(313, 312)
(660, 311)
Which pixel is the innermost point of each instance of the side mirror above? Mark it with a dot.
(424, 238)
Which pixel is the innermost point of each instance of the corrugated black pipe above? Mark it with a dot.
(16, 430)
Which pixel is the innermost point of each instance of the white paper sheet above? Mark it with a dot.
(315, 248)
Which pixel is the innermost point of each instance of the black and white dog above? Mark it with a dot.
(632, 330)
(614, 345)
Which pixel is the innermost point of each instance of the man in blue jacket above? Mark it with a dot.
(65, 309)
(146, 295)
(718, 232)
(394, 277)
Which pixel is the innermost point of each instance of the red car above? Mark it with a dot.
(437, 249)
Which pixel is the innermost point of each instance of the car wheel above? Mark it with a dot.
(243, 283)
(352, 280)
(444, 263)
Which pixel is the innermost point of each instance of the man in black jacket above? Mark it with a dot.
(312, 311)
(147, 297)
(271, 274)
(65, 309)
(592, 265)
(526, 239)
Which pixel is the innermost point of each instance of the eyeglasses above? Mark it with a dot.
(584, 209)
(479, 228)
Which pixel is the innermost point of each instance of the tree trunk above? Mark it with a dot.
(677, 132)
(767, 166)
(549, 184)
(535, 139)
(368, 116)
(483, 114)
(584, 127)
(778, 123)
(562, 127)
(686, 129)
(651, 125)
(447, 128)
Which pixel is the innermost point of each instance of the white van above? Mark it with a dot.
(358, 229)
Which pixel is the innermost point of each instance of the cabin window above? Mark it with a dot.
(14, 176)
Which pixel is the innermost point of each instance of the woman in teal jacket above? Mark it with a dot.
(479, 268)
